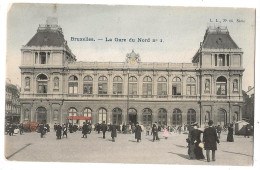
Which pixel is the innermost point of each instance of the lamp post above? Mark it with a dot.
(127, 104)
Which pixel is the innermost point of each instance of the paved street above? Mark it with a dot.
(30, 147)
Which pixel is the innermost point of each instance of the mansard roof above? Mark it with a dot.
(218, 38)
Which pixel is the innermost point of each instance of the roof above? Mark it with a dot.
(218, 38)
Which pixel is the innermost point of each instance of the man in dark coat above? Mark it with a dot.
(65, 129)
(104, 129)
(84, 130)
(113, 132)
(58, 131)
(219, 129)
(138, 131)
(210, 140)
(155, 132)
(248, 129)
(41, 129)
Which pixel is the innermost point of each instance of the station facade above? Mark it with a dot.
(55, 86)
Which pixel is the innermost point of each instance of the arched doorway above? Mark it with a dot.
(147, 117)
(222, 117)
(132, 115)
(177, 117)
(117, 116)
(41, 113)
(162, 117)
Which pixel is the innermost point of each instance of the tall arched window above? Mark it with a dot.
(191, 116)
(221, 85)
(235, 85)
(132, 115)
(56, 83)
(102, 85)
(191, 86)
(87, 85)
(162, 117)
(42, 81)
(72, 112)
(73, 85)
(117, 85)
(221, 117)
(27, 83)
(147, 117)
(117, 116)
(176, 86)
(132, 86)
(87, 113)
(147, 87)
(162, 87)
(176, 117)
(102, 115)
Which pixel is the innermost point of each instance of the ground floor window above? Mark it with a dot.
(102, 115)
(177, 117)
(117, 116)
(191, 116)
(147, 117)
(162, 117)
(41, 113)
(222, 118)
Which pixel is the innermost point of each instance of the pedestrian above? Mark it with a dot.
(155, 132)
(219, 129)
(70, 128)
(210, 140)
(196, 140)
(98, 128)
(148, 128)
(138, 131)
(55, 127)
(21, 129)
(58, 131)
(124, 129)
(179, 129)
(41, 129)
(166, 132)
(230, 137)
(64, 129)
(104, 129)
(113, 132)
(84, 130)
(247, 131)
(11, 130)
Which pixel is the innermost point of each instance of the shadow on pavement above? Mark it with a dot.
(237, 153)
(18, 151)
(180, 155)
(181, 146)
(132, 140)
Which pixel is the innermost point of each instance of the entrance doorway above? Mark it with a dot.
(132, 116)
(41, 115)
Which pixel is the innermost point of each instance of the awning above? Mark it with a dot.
(79, 118)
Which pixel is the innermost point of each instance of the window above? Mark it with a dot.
(56, 83)
(36, 58)
(216, 59)
(41, 113)
(102, 115)
(102, 85)
(191, 116)
(162, 87)
(117, 85)
(227, 59)
(177, 117)
(207, 86)
(87, 113)
(176, 86)
(221, 117)
(191, 86)
(117, 116)
(147, 117)
(26, 114)
(221, 85)
(221, 60)
(147, 87)
(132, 86)
(27, 83)
(73, 85)
(42, 83)
(87, 85)
(207, 117)
(43, 58)
(55, 115)
(162, 117)
(72, 112)
(235, 85)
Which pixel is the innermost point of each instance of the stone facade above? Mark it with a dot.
(56, 86)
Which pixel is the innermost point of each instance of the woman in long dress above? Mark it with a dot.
(230, 137)
(195, 140)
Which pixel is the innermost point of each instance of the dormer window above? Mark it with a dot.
(43, 58)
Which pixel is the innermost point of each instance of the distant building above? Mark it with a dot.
(55, 86)
(248, 107)
(12, 103)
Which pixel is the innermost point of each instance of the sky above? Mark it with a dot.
(181, 29)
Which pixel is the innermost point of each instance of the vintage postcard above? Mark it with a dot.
(130, 84)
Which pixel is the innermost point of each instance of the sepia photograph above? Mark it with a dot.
(130, 84)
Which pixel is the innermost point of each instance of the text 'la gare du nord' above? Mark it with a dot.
(117, 39)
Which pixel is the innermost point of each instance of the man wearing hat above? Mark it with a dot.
(210, 140)
(138, 131)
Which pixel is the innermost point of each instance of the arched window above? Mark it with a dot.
(147, 117)
(88, 85)
(117, 116)
(132, 115)
(191, 116)
(72, 112)
(191, 86)
(41, 113)
(102, 115)
(222, 117)
(207, 86)
(87, 113)
(73, 85)
(147, 87)
(132, 86)
(56, 83)
(162, 117)
(221, 85)
(176, 86)
(42, 81)
(177, 117)
(55, 115)
(235, 85)
(162, 87)
(102, 85)
(27, 83)
(117, 85)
